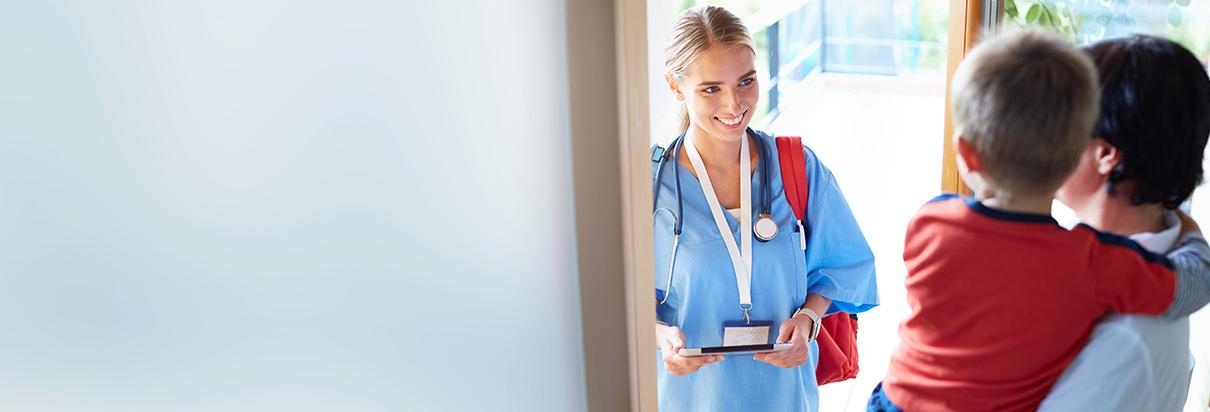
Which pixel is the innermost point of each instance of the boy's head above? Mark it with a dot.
(1154, 122)
(1024, 103)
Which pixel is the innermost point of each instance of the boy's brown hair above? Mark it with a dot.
(1026, 101)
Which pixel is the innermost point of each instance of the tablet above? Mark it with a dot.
(735, 350)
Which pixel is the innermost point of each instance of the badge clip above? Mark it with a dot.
(745, 308)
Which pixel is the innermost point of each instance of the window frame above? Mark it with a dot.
(964, 33)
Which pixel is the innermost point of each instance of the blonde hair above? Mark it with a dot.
(1026, 101)
(693, 33)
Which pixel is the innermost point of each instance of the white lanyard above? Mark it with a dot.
(742, 262)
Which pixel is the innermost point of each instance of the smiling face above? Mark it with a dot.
(721, 92)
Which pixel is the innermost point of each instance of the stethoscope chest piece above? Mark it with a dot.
(765, 229)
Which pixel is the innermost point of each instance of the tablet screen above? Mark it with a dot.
(737, 348)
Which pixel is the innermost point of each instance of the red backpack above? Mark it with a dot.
(838, 332)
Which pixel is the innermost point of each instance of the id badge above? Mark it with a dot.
(739, 333)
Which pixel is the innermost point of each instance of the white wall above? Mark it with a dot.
(286, 205)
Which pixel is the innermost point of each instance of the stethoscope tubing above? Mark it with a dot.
(675, 147)
(677, 222)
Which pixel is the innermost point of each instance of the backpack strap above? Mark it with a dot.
(794, 180)
(837, 341)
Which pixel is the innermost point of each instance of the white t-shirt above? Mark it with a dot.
(1131, 363)
(734, 212)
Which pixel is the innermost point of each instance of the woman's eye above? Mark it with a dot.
(711, 89)
(746, 82)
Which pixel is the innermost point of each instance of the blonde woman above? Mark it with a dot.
(720, 177)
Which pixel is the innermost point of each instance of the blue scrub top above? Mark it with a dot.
(838, 264)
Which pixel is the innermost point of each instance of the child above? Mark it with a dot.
(1002, 297)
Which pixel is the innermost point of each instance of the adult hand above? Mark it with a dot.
(794, 330)
(671, 341)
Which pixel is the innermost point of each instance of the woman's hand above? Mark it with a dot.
(671, 341)
(1187, 223)
(794, 330)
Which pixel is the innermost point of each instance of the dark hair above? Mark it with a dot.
(1155, 109)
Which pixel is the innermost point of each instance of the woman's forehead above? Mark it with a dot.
(722, 63)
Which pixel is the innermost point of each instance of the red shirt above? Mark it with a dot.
(1002, 302)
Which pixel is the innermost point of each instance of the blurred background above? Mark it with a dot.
(382, 206)
(287, 206)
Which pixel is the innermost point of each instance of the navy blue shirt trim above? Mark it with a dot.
(1103, 237)
(980, 208)
(1118, 240)
(944, 196)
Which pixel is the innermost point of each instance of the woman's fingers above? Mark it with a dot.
(789, 358)
(698, 361)
(682, 365)
(777, 357)
(670, 338)
(786, 332)
(673, 345)
(788, 362)
(789, 332)
(674, 363)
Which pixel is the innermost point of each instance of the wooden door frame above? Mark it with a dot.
(967, 25)
(635, 145)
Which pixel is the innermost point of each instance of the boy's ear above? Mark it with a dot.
(966, 151)
(675, 86)
(1106, 155)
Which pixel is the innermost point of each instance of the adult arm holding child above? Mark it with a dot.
(1191, 261)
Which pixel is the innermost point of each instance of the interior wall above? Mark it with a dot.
(287, 205)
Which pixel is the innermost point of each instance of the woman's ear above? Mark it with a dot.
(1107, 156)
(675, 86)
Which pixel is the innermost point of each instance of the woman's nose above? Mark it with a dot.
(733, 102)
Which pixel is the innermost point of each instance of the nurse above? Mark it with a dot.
(731, 268)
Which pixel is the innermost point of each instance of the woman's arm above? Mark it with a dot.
(1191, 262)
(839, 261)
(817, 303)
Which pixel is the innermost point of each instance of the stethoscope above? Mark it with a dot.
(764, 228)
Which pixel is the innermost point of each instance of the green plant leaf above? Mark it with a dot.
(1175, 17)
(1010, 8)
(1071, 23)
(1047, 19)
(1031, 16)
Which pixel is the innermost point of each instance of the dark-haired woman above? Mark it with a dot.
(1144, 160)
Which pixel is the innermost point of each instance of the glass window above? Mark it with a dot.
(1185, 21)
